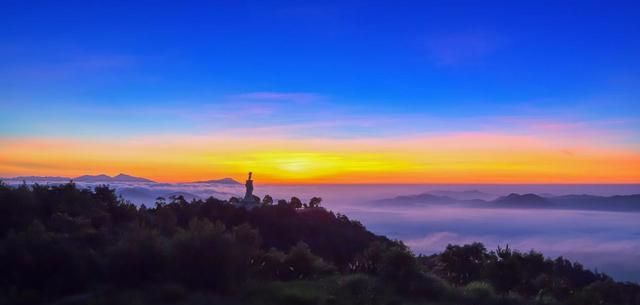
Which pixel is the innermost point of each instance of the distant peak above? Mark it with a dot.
(515, 198)
(105, 178)
(220, 181)
(38, 178)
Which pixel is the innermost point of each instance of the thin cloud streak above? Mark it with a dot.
(270, 96)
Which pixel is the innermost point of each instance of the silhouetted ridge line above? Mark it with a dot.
(84, 178)
(220, 181)
(105, 178)
(529, 201)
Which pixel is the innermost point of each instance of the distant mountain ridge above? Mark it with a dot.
(105, 178)
(220, 181)
(102, 178)
(463, 195)
(38, 178)
(84, 178)
(526, 201)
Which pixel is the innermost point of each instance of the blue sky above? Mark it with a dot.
(343, 69)
(447, 58)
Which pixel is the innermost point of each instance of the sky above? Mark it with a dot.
(324, 92)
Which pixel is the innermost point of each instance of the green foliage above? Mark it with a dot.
(359, 289)
(303, 264)
(398, 266)
(429, 286)
(270, 265)
(80, 246)
(207, 256)
(479, 292)
(138, 257)
(60, 240)
(529, 274)
(462, 264)
(291, 292)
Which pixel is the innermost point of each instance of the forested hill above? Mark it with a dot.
(64, 245)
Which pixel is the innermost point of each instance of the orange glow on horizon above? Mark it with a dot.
(456, 158)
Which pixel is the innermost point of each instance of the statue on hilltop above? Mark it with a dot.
(249, 201)
(248, 195)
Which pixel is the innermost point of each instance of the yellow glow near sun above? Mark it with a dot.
(298, 164)
(307, 166)
(455, 159)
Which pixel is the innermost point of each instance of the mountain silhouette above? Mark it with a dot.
(463, 195)
(525, 201)
(83, 178)
(220, 181)
(612, 203)
(419, 199)
(38, 179)
(105, 178)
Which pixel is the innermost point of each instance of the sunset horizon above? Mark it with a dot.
(459, 152)
(472, 103)
(448, 158)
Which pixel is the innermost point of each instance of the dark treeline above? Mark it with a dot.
(64, 245)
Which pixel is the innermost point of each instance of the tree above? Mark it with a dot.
(166, 219)
(315, 202)
(161, 201)
(105, 194)
(267, 200)
(137, 258)
(399, 267)
(505, 269)
(295, 202)
(462, 264)
(207, 255)
(302, 263)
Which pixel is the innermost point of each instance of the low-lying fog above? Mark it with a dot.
(608, 241)
(602, 240)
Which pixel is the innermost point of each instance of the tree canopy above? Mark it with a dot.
(58, 241)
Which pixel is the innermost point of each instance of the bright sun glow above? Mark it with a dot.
(495, 159)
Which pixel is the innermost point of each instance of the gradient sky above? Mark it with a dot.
(332, 92)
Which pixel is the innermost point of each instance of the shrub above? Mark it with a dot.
(303, 264)
(479, 292)
(138, 257)
(206, 256)
(398, 266)
(357, 289)
(429, 286)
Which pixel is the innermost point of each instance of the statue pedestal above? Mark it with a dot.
(249, 202)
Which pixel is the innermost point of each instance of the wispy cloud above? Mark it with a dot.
(271, 96)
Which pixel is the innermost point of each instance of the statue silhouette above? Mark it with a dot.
(248, 195)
